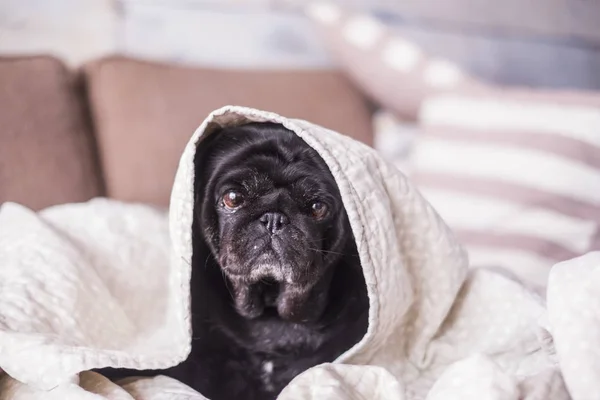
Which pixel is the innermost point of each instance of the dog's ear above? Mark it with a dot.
(206, 275)
(200, 163)
(205, 216)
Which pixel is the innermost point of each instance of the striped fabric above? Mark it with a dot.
(516, 174)
(390, 68)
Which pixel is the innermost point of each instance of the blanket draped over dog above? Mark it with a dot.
(106, 284)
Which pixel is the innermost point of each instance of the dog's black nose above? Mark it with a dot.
(274, 221)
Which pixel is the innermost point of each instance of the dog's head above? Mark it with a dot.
(272, 215)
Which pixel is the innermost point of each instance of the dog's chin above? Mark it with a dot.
(268, 295)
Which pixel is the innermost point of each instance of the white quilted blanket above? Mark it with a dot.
(104, 284)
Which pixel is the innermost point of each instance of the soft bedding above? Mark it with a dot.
(106, 284)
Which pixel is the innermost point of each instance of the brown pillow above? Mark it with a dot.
(47, 151)
(145, 113)
(392, 70)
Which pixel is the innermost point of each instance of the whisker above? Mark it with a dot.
(226, 282)
(327, 251)
(206, 261)
(334, 252)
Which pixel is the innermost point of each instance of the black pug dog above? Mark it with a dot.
(277, 285)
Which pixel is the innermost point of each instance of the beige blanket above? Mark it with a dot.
(105, 284)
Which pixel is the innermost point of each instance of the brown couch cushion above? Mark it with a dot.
(145, 113)
(47, 152)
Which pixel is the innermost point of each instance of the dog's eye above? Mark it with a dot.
(319, 210)
(233, 199)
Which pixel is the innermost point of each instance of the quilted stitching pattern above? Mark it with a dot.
(77, 283)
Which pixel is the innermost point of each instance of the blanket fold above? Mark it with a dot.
(106, 284)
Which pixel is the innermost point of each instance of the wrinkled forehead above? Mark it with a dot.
(258, 160)
(267, 149)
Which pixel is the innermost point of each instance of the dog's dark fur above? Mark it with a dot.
(276, 287)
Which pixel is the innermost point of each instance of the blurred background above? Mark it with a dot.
(491, 107)
(538, 42)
